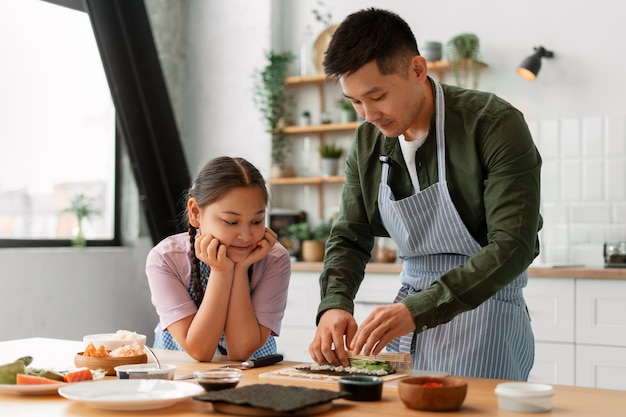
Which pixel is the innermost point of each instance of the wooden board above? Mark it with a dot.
(292, 372)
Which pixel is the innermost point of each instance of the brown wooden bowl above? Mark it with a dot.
(107, 363)
(432, 393)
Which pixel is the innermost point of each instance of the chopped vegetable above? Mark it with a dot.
(9, 371)
(433, 384)
(23, 379)
(46, 373)
(79, 374)
(371, 365)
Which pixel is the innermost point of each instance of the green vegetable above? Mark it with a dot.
(9, 371)
(45, 373)
(371, 365)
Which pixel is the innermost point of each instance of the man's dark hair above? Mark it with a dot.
(370, 35)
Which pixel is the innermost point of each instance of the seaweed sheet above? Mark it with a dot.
(280, 398)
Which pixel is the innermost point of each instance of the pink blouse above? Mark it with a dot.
(168, 268)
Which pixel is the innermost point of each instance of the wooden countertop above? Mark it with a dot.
(535, 272)
(568, 400)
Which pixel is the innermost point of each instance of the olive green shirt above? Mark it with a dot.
(493, 175)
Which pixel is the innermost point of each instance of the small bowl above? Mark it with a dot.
(108, 363)
(427, 393)
(218, 378)
(362, 387)
(524, 397)
(148, 371)
(114, 340)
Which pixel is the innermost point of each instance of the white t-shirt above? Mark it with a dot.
(409, 148)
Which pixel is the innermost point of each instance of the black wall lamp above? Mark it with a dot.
(531, 65)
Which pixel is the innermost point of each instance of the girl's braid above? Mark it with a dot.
(197, 277)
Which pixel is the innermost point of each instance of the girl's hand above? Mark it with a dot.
(213, 253)
(262, 249)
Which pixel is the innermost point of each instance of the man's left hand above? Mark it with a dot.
(383, 324)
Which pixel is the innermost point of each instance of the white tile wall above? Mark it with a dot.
(583, 186)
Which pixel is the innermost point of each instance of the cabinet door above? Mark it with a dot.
(375, 290)
(601, 367)
(600, 312)
(298, 325)
(554, 364)
(551, 307)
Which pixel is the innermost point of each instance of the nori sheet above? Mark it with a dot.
(280, 398)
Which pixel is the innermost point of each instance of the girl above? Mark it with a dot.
(223, 285)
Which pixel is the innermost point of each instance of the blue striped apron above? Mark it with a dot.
(495, 339)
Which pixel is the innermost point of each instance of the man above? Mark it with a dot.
(453, 176)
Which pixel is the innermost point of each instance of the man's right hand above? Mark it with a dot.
(329, 345)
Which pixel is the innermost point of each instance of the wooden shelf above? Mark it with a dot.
(306, 180)
(320, 129)
(437, 67)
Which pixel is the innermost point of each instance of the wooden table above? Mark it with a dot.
(481, 400)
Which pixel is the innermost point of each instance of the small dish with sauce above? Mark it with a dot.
(218, 378)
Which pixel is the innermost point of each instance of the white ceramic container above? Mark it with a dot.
(524, 397)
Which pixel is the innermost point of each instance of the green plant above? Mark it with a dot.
(463, 54)
(345, 104)
(305, 231)
(331, 150)
(270, 97)
(82, 207)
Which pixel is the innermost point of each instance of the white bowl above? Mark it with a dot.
(114, 340)
(147, 371)
(524, 397)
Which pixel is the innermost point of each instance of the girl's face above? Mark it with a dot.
(237, 220)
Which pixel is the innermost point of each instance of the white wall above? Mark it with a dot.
(575, 108)
(68, 293)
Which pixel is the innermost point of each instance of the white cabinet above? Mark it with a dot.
(551, 308)
(580, 331)
(298, 326)
(601, 333)
(600, 312)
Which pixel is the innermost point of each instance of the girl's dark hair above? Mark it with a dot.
(214, 179)
(370, 35)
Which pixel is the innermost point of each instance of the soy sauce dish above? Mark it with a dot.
(362, 387)
(147, 371)
(218, 378)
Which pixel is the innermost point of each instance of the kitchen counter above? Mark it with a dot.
(481, 400)
(535, 272)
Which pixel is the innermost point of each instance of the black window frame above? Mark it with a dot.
(145, 123)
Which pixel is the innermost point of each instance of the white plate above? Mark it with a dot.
(44, 389)
(130, 394)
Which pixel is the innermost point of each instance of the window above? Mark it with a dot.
(57, 126)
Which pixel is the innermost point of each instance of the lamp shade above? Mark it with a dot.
(530, 67)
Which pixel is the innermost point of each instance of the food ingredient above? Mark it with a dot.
(134, 349)
(23, 379)
(357, 366)
(9, 371)
(79, 374)
(433, 384)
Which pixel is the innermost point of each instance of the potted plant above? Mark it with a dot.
(347, 111)
(463, 54)
(271, 98)
(312, 239)
(82, 207)
(330, 154)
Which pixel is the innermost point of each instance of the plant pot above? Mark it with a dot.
(330, 167)
(348, 115)
(312, 251)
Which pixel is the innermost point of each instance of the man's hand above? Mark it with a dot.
(380, 327)
(328, 346)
